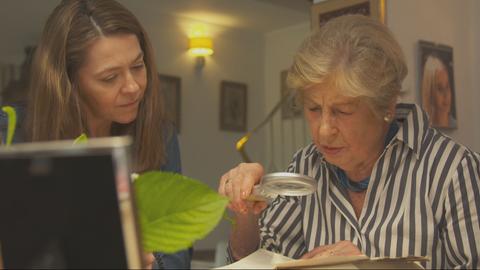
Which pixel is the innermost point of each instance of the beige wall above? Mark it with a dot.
(475, 68)
(451, 22)
(206, 151)
(288, 135)
(454, 23)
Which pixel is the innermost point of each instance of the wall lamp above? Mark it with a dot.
(200, 47)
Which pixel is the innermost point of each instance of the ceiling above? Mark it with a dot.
(256, 15)
(21, 21)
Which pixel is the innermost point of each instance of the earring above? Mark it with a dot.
(387, 118)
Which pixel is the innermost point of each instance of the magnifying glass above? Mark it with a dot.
(282, 183)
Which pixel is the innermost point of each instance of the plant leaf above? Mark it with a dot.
(175, 210)
(81, 139)
(12, 123)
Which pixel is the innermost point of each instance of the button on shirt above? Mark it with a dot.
(423, 199)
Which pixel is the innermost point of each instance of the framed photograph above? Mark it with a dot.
(436, 84)
(329, 9)
(170, 88)
(233, 106)
(289, 108)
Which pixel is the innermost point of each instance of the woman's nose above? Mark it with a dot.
(131, 85)
(327, 127)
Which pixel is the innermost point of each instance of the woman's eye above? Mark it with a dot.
(342, 112)
(314, 109)
(139, 66)
(110, 78)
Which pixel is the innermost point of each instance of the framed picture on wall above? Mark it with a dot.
(436, 84)
(170, 88)
(233, 106)
(289, 108)
(329, 9)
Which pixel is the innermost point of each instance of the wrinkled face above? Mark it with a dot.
(442, 94)
(112, 79)
(344, 129)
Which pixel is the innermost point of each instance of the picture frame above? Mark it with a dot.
(170, 88)
(436, 84)
(289, 108)
(233, 106)
(329, 9)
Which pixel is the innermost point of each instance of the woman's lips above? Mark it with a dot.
(328, 150)
(129, 104)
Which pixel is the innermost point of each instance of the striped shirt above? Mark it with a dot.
(423, 199)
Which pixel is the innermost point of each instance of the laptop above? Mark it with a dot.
(68, 206)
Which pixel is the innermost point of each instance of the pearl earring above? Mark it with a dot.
(387, 118)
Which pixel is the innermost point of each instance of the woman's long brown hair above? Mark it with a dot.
(54, 111)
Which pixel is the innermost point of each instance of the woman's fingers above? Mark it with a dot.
(342, 248)
(316, 252)
(237, 184)
(259, 206)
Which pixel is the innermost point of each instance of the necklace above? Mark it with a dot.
(363, 185)
(352, 185)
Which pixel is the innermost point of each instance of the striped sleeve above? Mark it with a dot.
(281, 227)
(462, 206)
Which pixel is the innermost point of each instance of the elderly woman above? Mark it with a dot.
(385, 187)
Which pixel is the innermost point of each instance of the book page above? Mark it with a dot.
(322, 261)
(264, 259)
(354, 262)
(260, 259)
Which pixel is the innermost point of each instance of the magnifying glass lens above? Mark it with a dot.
(285, 184)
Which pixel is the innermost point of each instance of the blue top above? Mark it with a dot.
(179, 260)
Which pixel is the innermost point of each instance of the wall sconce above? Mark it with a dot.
(200, 47)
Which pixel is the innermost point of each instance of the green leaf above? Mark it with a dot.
(12, 123)
(175, 210)
(81, 139)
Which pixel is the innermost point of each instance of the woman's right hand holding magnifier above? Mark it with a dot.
(237, 184)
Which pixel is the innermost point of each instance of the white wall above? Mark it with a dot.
(474, 15)
(240, 56)
(288, 135)
(449, 22)
(454, 23)
(206, 151)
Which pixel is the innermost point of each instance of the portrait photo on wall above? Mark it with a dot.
(436, 84)
(233, 106)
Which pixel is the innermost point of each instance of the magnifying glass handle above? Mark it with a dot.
(258, 195)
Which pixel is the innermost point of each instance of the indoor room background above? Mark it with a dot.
(253, 42)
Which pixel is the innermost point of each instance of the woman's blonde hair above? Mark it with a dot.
(54, 110)
(359, 55)
(429, 82)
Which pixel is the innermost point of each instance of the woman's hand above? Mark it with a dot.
(342, 248)
(237, 185)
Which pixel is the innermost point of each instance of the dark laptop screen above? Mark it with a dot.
(60, 209)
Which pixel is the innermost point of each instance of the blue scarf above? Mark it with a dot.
(363, 185)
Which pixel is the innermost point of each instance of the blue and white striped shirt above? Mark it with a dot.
(423, 199)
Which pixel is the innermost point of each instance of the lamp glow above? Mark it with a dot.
(201, 46)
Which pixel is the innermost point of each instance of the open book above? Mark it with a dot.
(264, 259)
